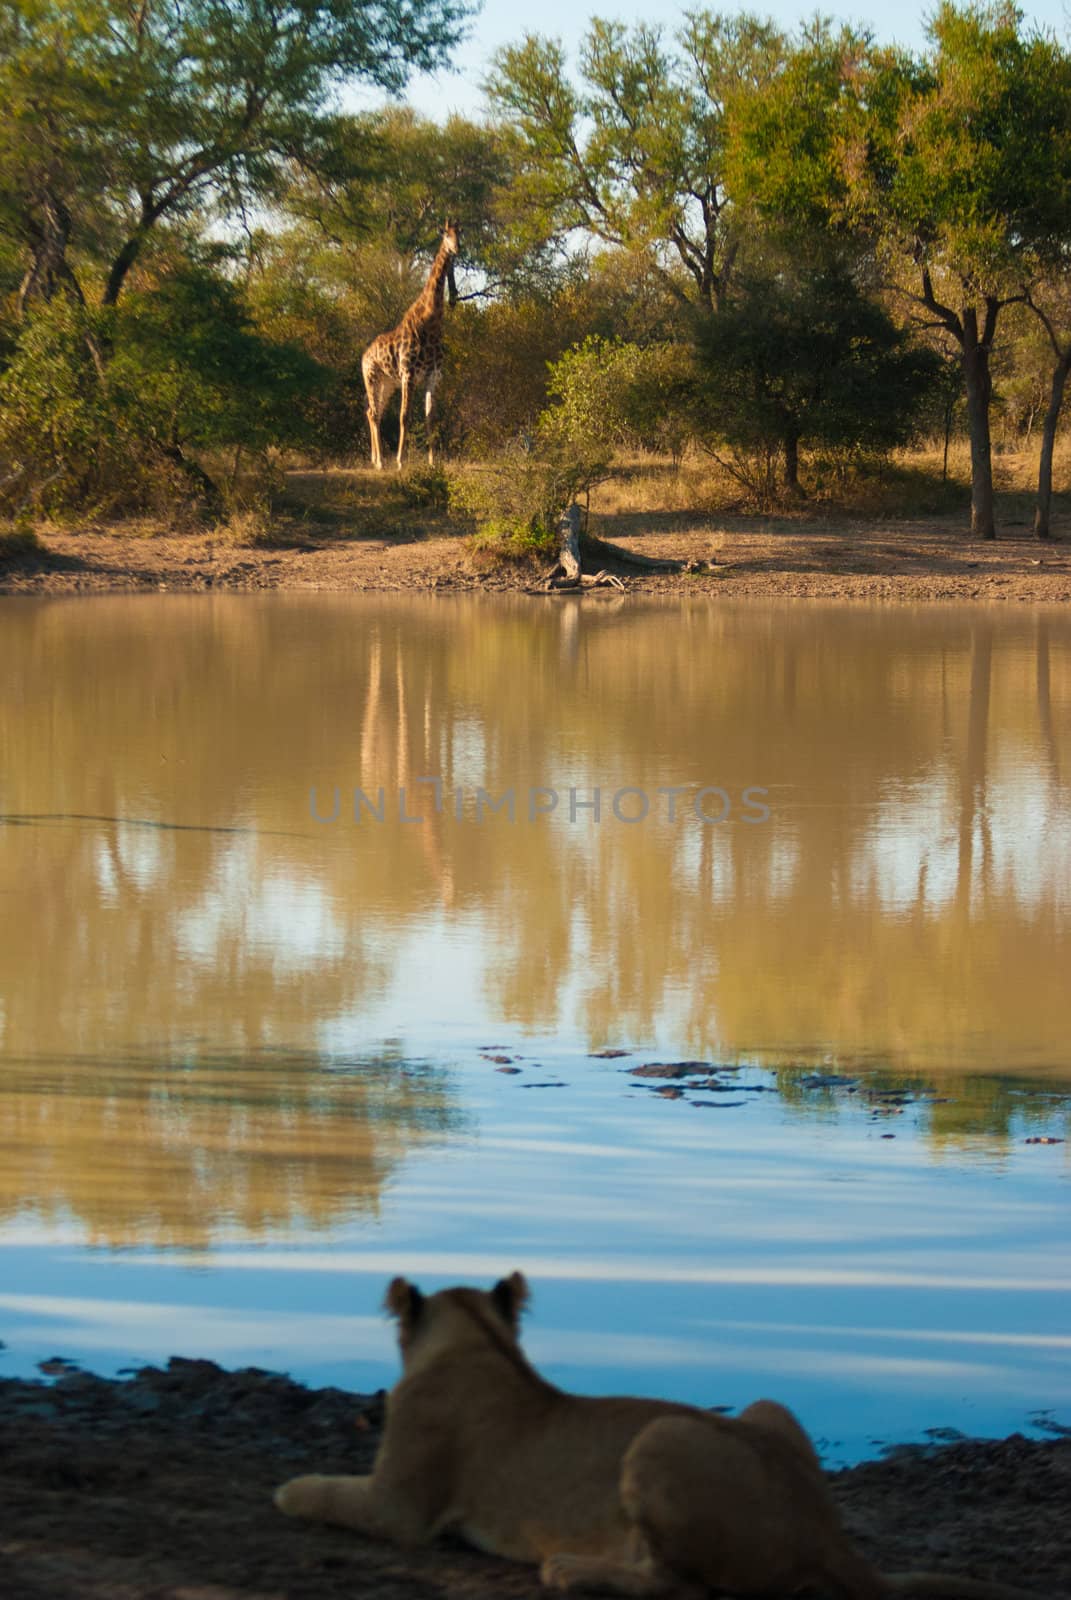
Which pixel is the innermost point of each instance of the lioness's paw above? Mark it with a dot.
(295, 1496)
(560, 1571)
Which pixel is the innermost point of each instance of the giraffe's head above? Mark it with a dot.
(451, 237)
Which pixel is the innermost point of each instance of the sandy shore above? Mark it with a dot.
(159, 1488)
(749, 557)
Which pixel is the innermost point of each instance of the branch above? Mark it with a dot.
(949, 317)
(1046, 322)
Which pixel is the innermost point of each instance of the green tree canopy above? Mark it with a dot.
(400, 175)
(957, 166)
(118, 116)
(634, 156)
(803, 355)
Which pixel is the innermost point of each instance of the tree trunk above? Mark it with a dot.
(979, 385)
(568, 571)
(206, 487)
(119, 269)
(791, 445)
(569, 543)
(1042, 526)
(49, 269)
(949, 407)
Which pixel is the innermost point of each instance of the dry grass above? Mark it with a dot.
(251, 526)
(312, 505)
(906, 486)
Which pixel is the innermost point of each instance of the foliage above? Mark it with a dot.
(495, 372)
(61, 433)
(612, 395)
(635, 156)
(804, 356)
(793, 141)
(957, 167)
(400, 175)
(499, 355)
(424, 488)
(119, 116)
(188, 356)
(514, 500)
(980, 187)
(186, 372)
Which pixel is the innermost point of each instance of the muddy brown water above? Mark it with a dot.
(315, 913)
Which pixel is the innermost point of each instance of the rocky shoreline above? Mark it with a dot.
(158, 1487)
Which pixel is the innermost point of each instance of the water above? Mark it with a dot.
(256, 1055)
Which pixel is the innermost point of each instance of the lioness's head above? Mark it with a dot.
(455, 1314)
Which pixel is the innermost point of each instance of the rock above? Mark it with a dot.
(669, 1069)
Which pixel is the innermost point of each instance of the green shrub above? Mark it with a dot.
(424, 488)
(610, 395)
(516, 500)
(113, 409)
(63, 432)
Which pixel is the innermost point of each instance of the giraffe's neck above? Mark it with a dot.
(430, 303)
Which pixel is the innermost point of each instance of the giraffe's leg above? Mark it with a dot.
(372, 388)
(380, 386)
(373, 429)
(429, 408)
(403, 418)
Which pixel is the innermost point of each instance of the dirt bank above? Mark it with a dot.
(158, 1488)
(749, 557)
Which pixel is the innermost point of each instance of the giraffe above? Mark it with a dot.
(412, 353)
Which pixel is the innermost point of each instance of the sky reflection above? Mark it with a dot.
(268, 1063)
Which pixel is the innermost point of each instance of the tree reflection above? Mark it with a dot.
(169, 898)
(145, 1150)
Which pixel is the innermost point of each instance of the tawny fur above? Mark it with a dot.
(410, 354)
(638, 1497)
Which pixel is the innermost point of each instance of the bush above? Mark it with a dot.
(424, 488)
(109, 409)
(515, 501)
(63, 432)
(610, 395)
(803, 357)
(18, 538)
(495, 370)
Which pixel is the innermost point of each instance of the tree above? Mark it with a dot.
(634, 157)
(187, 372)
(610, 395)
(399, 175)
(803, 355)
(974, 195)
(1050, 302)
(954, 166)
(120, 117)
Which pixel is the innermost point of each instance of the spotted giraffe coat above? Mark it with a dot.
(411, 354)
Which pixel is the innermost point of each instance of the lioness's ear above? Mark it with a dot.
(510, 1296)
(403, 1300)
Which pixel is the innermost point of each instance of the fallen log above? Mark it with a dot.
(605, 551)
(568, 572)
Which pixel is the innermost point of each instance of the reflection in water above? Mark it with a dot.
(952, 1109)
(158, 1151)
(184, 947)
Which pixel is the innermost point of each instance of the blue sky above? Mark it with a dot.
(503, 21)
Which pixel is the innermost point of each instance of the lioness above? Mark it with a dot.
(636, 1496)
